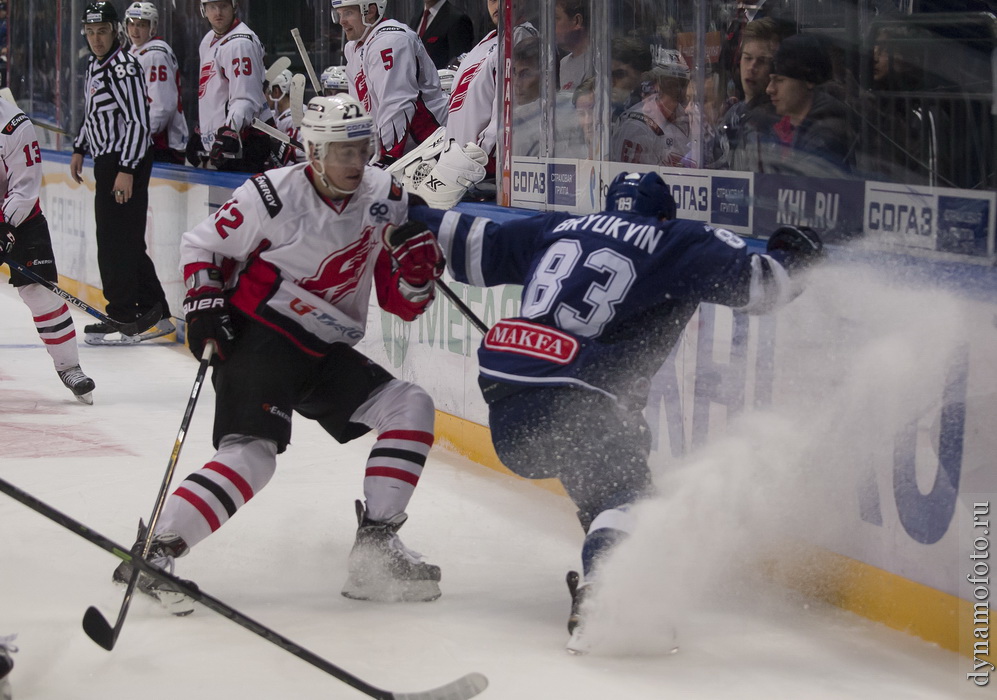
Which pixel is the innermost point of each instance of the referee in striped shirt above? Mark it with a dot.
(117, 135)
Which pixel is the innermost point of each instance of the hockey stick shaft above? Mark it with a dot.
(465, 687)
(276, 133)
(94, 623)
(144, 322)
(309, 68)
(462, 307)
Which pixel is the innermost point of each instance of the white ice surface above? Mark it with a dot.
(504, 547)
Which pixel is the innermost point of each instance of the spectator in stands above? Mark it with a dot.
(230, 94)
(408, 106)
(162, 80)
(3, 23)
(526, 123)
(813, 135)
(656, 130)
(445, 29)
(760, 41)
(572, 33)
(629, 59)
(584, 103)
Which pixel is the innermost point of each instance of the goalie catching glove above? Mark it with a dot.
(456, 170)
(796, 248)
(207, 314)
(418, 260)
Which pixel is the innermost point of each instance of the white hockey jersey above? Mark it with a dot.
(230, 82)
(391, 74)
(645, 135)
(306, 264)
(473, 110)
(162, 81)
(285, 123)
(21, 176)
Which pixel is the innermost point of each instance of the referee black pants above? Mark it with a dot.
(127, 273)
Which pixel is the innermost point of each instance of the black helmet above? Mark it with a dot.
(98, 12)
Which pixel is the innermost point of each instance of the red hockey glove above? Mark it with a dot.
(207, 315)
(417, 255)
(226, 147)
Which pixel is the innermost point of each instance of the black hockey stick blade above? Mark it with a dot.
(94, 623)
(463, 688)
(462, 307)
(143, 323)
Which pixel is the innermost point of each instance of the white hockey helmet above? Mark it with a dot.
(143, 10)
(235, 5)
(334, 119)
(670, 63)
(334, 80)
(283, 82)
(364, 6)
(447, 78)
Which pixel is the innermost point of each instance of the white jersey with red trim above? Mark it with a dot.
(21, 176)
(302, 259)
(391, 74)
(230, 83)
(473, 110)
(162, 81)
(645, 135)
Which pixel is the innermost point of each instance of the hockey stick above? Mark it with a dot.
(142, 323)
(316, 86)
(278, 67)
(297, 99)
(462, 307)
(276, 133)
(94, 623)
(461, 689)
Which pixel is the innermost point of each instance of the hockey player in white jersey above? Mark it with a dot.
(24, 237)
(279, 280)
(279, 99)
(334, 81)
(230, 93)
(162, 81)
(391, 74)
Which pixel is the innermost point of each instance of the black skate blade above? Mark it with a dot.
(98, 628)
(144, 322)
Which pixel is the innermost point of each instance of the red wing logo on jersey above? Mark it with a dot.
(207, 73)
(460, 89)
(363, 94)
(340, 273)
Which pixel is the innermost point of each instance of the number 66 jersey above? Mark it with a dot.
(299, 263)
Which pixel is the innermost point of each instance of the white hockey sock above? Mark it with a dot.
(53, 323)
(206, 499)
(403, 416)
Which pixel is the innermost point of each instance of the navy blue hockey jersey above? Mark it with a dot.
(605, 296)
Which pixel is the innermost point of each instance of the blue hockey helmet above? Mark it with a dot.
(643, 193)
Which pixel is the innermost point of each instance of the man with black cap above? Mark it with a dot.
(116, 133)
(813, 135)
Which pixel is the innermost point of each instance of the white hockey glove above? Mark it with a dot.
(457, 169)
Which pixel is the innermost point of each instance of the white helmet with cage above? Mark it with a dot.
(364, 6)
(235, 5)
(447, 79)
(283, 83)
(336, 119)
(334, 80)
(143, 11)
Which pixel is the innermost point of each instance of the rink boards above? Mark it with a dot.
(886, 362)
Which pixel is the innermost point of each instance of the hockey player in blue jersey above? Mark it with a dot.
(605, 298)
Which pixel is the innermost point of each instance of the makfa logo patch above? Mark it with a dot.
(532, 340)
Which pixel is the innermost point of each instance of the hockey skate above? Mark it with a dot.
(6, 664)
(80, 384)
(576, 619)
(382, 569)
(165, 548)
(104, 334)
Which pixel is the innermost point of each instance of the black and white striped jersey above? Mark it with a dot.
(117, 110)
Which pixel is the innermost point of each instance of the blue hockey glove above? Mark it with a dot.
(796, 248)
